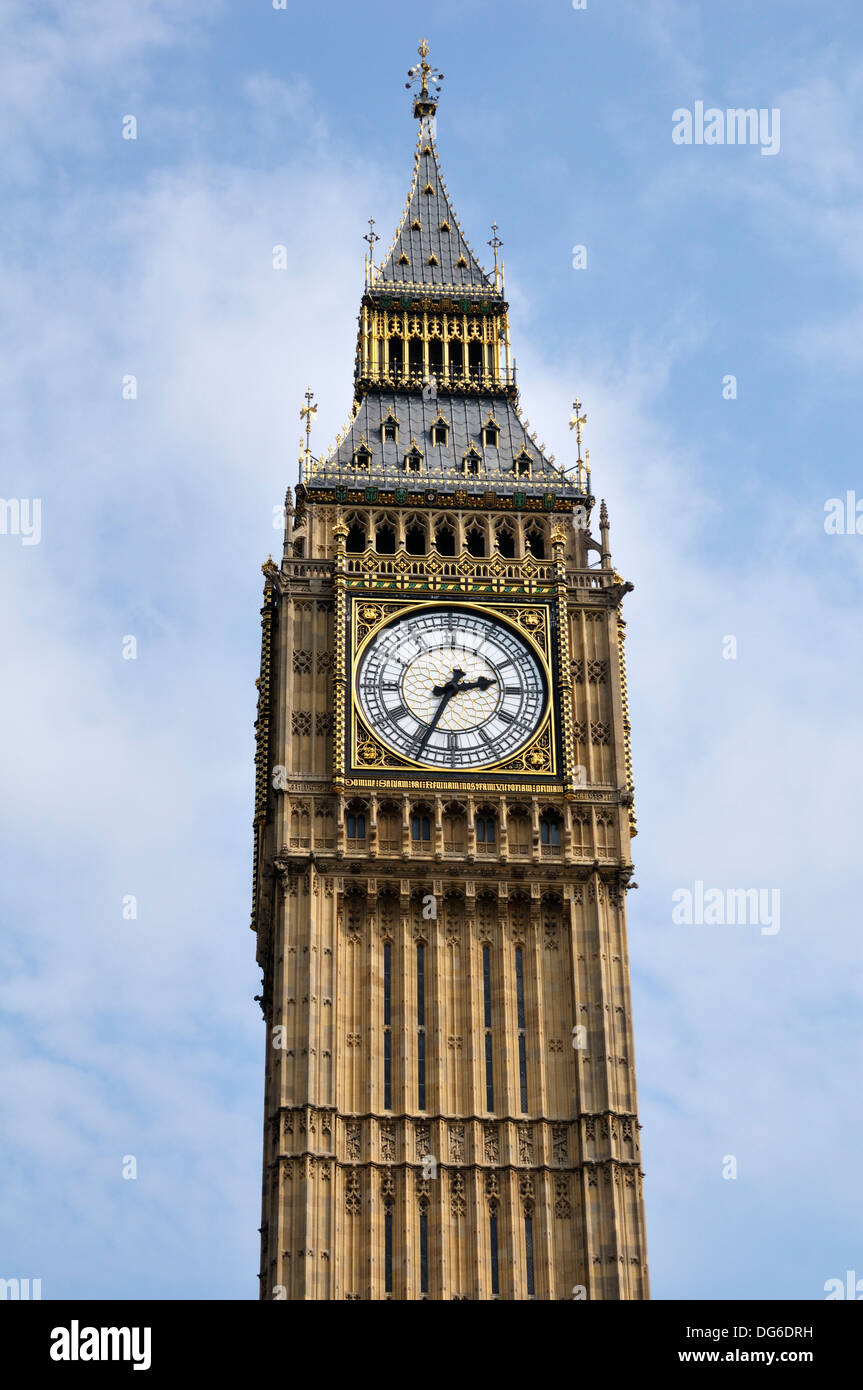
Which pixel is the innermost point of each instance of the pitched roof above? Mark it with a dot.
(430, 248)
(466, 416)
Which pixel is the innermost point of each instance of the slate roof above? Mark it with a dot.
(466, 415)
(432, 210)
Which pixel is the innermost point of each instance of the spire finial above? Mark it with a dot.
(371, 237)
(425, 104)
(308, 413)
(576, 420)
(495, 245)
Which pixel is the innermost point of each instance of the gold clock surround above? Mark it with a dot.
(537, 757)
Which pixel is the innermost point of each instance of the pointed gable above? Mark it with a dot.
(430, 247)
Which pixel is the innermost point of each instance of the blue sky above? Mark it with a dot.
(153, 257)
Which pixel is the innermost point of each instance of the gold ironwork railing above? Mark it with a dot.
(502, 380)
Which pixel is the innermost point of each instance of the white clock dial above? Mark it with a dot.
(451, 688)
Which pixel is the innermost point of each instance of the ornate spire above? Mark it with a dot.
(435, 394)
(371, 237)
(425, 104)
(495, 245)
(576, 420)
(308, 413)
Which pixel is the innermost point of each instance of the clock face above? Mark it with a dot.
(451, 688)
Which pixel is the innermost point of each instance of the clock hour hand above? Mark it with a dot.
(451, 686)
(456, 685)
(482, 683)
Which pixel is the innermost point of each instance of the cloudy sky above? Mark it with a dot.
(260, 126)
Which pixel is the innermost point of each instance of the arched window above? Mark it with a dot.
(454, 829)
(385, 537)
(389, 828)
(415, 536)
(324, 828)
(440, 432)
(300, 821)
(475, 539)
(550, 832)
(505, 539)
(396, 353)
(604, 834)
(485, 826)
(355, 821)
(534, 536)
(581, 833)
(444, 538)
(518, 831)
(356, 542)
(413, 460)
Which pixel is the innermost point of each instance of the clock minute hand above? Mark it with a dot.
(446, 693)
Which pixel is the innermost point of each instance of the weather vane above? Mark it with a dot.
(576, 420)
(371, 237)
(495, 245)
(308, 413)
(424, 73)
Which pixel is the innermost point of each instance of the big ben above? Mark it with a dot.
(443, 821)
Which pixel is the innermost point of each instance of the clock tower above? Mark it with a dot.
(443, 821)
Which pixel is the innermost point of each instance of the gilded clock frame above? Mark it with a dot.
(537, 760)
